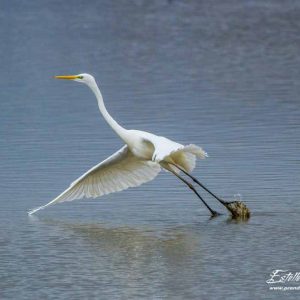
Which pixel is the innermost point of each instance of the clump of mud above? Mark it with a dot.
(238, 210)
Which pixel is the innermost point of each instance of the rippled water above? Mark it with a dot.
(220, 74)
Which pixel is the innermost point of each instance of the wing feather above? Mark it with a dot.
(118, 172)
(170, 151)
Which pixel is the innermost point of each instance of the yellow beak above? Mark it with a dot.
(69, 77)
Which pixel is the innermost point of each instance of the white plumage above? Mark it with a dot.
(139, 161)
(116, 173)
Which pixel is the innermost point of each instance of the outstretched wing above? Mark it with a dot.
(118, 172)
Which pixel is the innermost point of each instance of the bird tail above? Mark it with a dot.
(196, 150)
(185, 157)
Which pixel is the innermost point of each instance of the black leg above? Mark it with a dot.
(213, 212)
(237, 208)
(199, 183)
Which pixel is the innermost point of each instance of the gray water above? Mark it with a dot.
(221, 74)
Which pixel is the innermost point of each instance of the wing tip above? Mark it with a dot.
(34, 210)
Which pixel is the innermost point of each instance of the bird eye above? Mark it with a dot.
(80, 77)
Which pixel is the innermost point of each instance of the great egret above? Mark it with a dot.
(139, 161)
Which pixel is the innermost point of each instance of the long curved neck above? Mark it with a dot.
(118, 129)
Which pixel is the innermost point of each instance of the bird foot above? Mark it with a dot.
(215, 214)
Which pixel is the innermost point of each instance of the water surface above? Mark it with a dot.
(222, 75)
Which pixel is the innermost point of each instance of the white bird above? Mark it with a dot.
(138, 161)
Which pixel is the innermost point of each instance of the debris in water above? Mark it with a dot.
(238, 210)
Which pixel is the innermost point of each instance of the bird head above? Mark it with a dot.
(83, 78)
